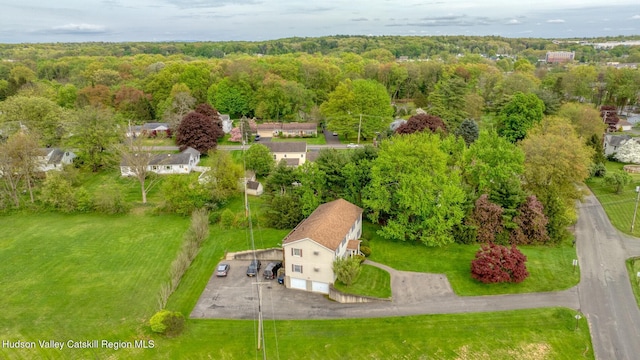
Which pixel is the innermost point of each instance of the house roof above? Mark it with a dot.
(293, 126)
(155, 125)
(327, 225)
(286, 147)
(616, 140)
(353, 244)
(56, 156)
(313, 155)
(170, 159)
(253, 185)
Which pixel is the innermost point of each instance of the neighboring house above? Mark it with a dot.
(554, 57)
(293, 129)
(330, 232)
(624, 125)
(164, 164)
(612, 143)
(148, 129)
(54, 159)
(396, 124)
(294, 153)
(254, 188)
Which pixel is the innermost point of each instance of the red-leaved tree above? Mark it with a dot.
(487, 217)
(497, 263)
(532, 223)
(200, 129)
(421, 122)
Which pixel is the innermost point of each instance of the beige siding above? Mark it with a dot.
(316, 261)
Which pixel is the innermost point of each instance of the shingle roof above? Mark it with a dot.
(287, 126)
(286, 147)
(253, 185)
(328, 224)
(616, 140)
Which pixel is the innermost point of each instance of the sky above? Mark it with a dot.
(34, 21)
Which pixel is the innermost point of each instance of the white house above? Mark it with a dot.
(294, 153)
(612, 143)
(148, 129)
(54, 159)
(330, 232)
(164, 164)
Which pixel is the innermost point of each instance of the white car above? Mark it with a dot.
(352, 146)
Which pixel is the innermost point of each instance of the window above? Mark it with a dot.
(296, 252)
(154, 168)
(296, 268)
(167, 167)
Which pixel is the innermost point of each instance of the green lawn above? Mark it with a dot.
(633, 267)
(619, 207)
(319, 140)
(372, 281)
(524, 334)
(550, 267)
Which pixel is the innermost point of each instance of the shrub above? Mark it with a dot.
(598, 170)
(227, 219)
(167, 322)
(347, 269)
(496, 263)
(365, 250)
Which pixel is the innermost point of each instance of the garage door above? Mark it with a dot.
(320, 287)
(298, 284)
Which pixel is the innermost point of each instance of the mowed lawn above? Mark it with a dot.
(82, 277)
(618, 206)
(550, 267)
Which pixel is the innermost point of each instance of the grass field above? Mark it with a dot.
(619, 207)
(550, 268)
(633, 267)
(372, 281)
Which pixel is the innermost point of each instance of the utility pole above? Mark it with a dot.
(635, 211)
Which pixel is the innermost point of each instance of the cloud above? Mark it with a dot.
(449, 20)
(304, 11)
(77, 29)
(190, 4)
(513, 22)
(360, 19)
(555, 21)
(635, 17)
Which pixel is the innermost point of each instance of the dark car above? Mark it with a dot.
(257, 138)
(281, 277)
(254, 268)
(271, 271)
(222, 270)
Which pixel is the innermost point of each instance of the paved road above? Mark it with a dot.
(605, 294)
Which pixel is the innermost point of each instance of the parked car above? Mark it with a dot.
(222, 270)
(335, 133)
(281, 277)
(254, 268)
(257, 138)
(271, 271)
(352, 146)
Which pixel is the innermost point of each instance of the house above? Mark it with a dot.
(293, 129)
(330, 232)
(151, 129)
(294, 153)
(612, 143)
(54, 159)
(165, 164)
(254, 188)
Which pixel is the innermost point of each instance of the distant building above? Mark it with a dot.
(293, 153)
(554, 57)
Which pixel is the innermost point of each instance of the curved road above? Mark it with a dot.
(605, 292)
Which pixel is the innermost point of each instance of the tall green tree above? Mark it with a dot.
(413, 192)
(555, 161)
(448, 101)
(234, 97)
(94, 134)
(37, 114)
(358, 106)
(520, 114)
(259, 159)
(491, 162)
